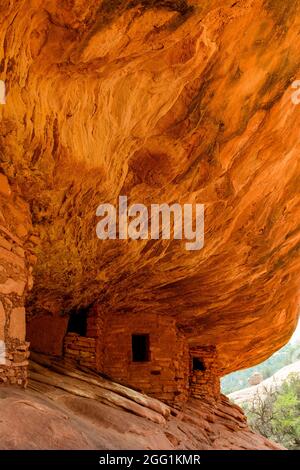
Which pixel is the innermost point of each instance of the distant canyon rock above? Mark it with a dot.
(247, 395)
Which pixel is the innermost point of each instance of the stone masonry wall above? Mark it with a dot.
(87, 350)
(15, 279)
(165, 375)
(80, 350)
(205, 384)
(96, 323)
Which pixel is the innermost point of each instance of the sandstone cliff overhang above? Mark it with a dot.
(185, 101)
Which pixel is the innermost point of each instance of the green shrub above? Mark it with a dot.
(276, 414)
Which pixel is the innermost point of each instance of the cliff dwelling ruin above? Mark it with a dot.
(147, 353)
(161, 102)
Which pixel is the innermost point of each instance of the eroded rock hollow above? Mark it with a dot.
(183, 101)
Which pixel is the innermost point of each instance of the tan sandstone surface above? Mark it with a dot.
(68, 409)
(164, 101)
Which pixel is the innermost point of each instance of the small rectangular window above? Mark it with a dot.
(198, 364)
(140, 348)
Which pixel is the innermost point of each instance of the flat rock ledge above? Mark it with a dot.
(65, 408)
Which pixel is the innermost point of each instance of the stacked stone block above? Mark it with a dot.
(15, 280)
(165, 375)
(80, 350)
(205, 384)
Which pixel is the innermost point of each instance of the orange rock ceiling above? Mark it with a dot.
(162, 101)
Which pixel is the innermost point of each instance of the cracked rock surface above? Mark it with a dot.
(69, 409)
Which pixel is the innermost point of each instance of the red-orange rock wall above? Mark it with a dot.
(46, 333)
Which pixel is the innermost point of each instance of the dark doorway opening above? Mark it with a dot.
(78, 322)
(140, 348)
(198, 364)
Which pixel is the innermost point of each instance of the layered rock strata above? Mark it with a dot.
(66, 409)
